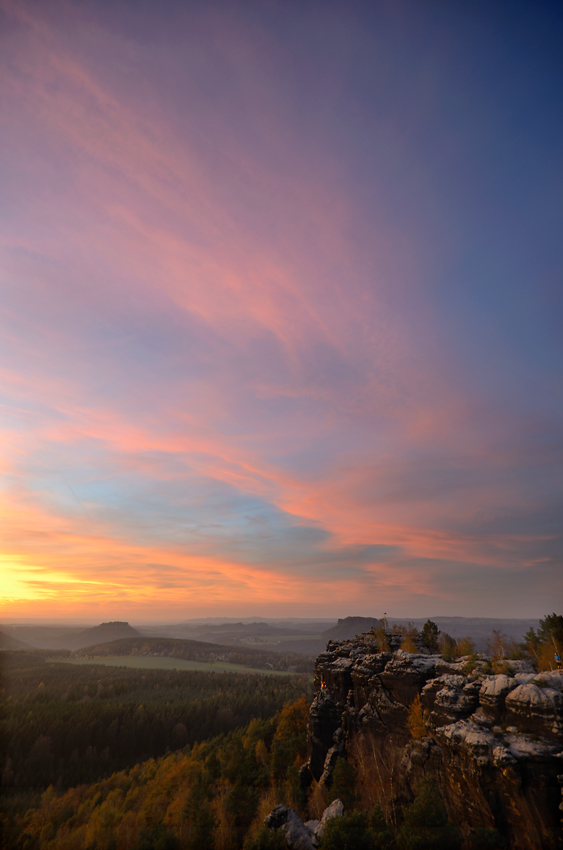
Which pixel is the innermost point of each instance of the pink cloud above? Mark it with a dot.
(313, 335)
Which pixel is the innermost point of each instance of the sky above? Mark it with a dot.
(281, 308)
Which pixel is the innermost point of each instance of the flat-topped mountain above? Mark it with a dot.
(104, 633)
(349, 627)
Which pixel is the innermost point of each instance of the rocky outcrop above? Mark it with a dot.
(492, 744)
(299, 835)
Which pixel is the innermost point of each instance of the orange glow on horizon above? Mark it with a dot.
(255, 354)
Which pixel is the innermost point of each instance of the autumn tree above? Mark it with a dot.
(197, 813)
(410, 633)
(380, 636)
(417, 721)
(500, 646)
(290, 739)
(546, 642)
(465, 646)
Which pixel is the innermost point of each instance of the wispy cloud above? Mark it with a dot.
(241, 339)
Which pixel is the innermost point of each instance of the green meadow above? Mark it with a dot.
(148, 662)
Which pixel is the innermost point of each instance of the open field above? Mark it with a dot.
(275, 641)
(147, 662)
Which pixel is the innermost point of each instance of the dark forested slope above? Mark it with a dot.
(66, 724)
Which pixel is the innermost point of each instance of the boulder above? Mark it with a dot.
(335, 810)
(536, 709)
(297, 834)
(493, 693)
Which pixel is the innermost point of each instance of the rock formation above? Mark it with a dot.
(299, 835)
(492, 744)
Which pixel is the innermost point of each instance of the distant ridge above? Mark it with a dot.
(479, 629)
(9, 642)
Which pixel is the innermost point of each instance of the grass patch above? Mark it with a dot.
(147, 662)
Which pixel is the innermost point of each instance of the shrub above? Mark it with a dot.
(350, 832)
(471, 664)
(482, 838)
(408, 644)
(382, 834)
(502, 667)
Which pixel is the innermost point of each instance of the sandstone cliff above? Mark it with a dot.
(492, 744)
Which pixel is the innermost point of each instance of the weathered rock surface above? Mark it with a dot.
(335, 810)
(299, 835)
(494, 743)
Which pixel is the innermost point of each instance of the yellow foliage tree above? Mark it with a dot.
(465, 646)
(408, 644)
(546, 657)
(417, 721)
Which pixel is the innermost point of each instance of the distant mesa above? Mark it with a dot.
(349, 627)
(104, 633)
(113, 623)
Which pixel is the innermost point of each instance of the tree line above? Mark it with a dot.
(193, 650)
(542, 647)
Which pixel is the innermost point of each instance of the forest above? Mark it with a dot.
(65, 724)
(209, 795)
(106, 757)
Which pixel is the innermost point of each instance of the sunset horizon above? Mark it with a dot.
(281, 310)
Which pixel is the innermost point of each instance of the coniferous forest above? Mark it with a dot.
(90, 729)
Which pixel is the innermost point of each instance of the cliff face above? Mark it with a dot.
(492, 744)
